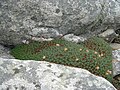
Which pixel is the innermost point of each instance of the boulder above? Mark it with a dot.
(116, 54)
(109, 35)
(115, 46)
(74, 38)
(4, 53)
(42, 75)
(116, 62)
(117, 39)
(23, 19)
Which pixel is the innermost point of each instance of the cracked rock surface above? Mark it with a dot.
(116, 62)
(74, 38)
(32, 75)
(24, 19)
(4, 53)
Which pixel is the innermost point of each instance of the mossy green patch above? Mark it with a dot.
(94, 55)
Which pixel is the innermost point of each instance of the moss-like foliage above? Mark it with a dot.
(94, 55)
(104, 51)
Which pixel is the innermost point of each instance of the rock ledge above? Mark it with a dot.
(41, 75)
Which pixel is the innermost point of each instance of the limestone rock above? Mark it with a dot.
(20, 19)
(41, 75)
(117, 31)
(115, 46)
(74, 38)
(116, 62)
(116, 54)
(116, 68)
(108, 35)
(4, 52)
(117, 39)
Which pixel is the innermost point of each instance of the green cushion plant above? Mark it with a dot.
(94, 55)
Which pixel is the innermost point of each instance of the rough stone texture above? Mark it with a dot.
(116, 68)
(115, 46)
(74, 38)
(116, 62)
(22, 19)
(117, 39)
(32, 75)
(116, 54)
(117, 31)
(4, 52)
(108, 35)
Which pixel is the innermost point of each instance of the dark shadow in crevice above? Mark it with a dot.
(8, 46)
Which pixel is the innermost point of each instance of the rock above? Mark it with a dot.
(4, 53)
(108, 35)
(116, 62)
(117, 31)
(116, 68)
(115, 46)
(116, 40)
(20, 19)
(74, 38)
(116, 54)
(41, 75)
(41, 39)
(45, 32)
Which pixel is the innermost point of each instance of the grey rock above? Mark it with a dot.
(116, 54)
(41, 75)
(4, 52)
(116, 62)
(20, 19)
(74, 38)
(41, 39)
(116, 68)
(115, 46)
(108, 35)
(46, 32)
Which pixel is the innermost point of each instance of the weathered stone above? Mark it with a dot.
(117, 39)
(4, 52)
(116, 54)
(115, 46)
(117, 31)
(116, 62)
(108, 35)
(41, 75)
(20, 19)
(116, 68)
(74, 38)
